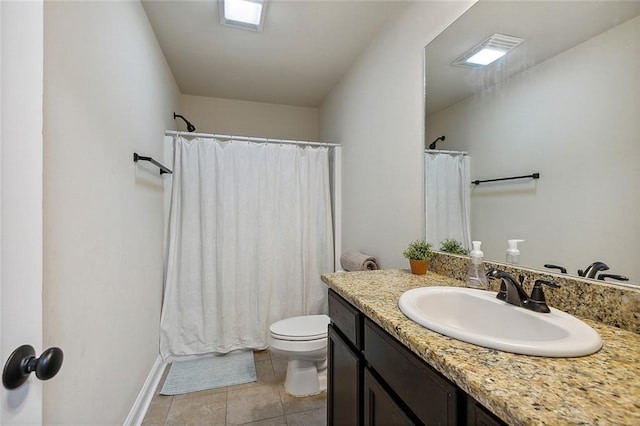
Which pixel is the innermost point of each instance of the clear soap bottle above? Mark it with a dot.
(476, 277)
(513, 254)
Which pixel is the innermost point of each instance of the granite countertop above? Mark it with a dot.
(599, 389)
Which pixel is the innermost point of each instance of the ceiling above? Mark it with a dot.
(547, 27)
(304, 49)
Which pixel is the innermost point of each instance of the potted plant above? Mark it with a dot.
(419, 253)
(453, 246)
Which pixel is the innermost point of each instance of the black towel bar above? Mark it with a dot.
(163, 169)
(532, 176)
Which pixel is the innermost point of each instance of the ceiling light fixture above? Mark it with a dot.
(489, 51)
(244, 14)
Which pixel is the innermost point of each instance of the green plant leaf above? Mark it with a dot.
(418, 250)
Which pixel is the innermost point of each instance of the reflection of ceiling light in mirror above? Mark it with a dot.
(490, 50)
(486, 56)
(245, 14)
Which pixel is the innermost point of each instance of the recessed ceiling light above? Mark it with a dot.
(489, 51)
(244, 14)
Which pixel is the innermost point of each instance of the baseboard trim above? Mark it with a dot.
(141, 405)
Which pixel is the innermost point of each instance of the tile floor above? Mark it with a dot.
(264, 402)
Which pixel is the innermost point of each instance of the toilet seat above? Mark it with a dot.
(302, 328)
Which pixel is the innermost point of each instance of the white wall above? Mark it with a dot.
(377, 113)
(108, 93)
(21, 199)
(242, 118)
(573, 118)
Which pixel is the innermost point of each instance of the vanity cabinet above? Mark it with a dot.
(345, 363)
(375, 380)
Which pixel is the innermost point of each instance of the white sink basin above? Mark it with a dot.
(477, 317)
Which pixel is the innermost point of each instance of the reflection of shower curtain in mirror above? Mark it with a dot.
(250, 233)
(447, 198)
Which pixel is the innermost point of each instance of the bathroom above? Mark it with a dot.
(108, 91)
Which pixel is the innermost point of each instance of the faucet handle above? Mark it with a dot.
(562, 269)
(537, 295)
(613, 276)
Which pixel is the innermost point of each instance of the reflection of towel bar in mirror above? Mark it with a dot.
(163, 169)
(531, 176)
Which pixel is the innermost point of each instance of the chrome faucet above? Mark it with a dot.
(511, 291)
(593, 269)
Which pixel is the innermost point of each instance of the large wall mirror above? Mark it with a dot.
(564, 103)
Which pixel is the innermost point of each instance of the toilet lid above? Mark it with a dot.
(307, 327)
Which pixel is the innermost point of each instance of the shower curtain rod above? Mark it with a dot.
(441, 151)
(248, 138)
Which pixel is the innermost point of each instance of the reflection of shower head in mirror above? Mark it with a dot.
(433, 144)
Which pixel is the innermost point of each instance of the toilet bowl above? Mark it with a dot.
(303, 342)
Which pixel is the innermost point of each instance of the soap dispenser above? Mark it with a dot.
(513, 254)
(476, 277)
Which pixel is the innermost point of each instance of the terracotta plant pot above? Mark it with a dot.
(419, 267)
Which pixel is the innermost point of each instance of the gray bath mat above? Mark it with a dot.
(210, 372)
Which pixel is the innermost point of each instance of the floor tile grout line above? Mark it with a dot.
(261, 420)
(268, 381)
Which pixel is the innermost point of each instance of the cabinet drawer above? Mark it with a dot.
(346, 318)
(430, 396)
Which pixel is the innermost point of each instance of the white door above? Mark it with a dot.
(21, 90)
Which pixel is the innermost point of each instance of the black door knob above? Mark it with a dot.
(23, 362)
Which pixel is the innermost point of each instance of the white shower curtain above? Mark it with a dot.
(448, 198)
(250, 232)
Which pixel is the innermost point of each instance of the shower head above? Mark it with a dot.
(190, 127)
(433, 144)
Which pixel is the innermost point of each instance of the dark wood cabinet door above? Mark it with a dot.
(477, 415)
(379, 407)
(344, 382)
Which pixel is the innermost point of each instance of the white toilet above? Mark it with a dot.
(303, 341)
